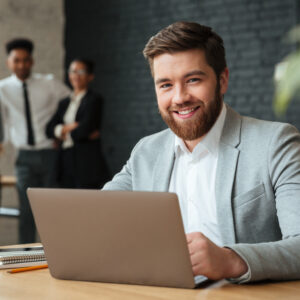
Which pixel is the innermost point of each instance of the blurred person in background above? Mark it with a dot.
(28, 100)
(75, 125)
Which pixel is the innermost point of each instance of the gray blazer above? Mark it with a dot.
(257, 189)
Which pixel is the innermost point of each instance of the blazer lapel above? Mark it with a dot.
(82, 106)
(64, 106)
(227, 162)
(163, 167)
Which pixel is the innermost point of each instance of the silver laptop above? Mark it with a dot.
(113, 236)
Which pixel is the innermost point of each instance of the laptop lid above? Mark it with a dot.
(113, 236)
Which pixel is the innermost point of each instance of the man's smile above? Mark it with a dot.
(186, 112)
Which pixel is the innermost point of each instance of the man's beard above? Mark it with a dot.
(194, 129)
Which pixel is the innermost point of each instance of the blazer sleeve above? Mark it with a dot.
(123, 181)
(280, 260)
(89, 120)
(57, 118)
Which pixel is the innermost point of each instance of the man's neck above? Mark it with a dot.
(23, 79)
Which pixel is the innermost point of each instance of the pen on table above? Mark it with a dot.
(28, 269)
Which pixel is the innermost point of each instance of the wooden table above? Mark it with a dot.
(40, 285)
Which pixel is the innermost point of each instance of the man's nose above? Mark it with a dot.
(21, 65)
(180, 95)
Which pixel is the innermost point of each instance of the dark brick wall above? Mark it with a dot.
(113, 33)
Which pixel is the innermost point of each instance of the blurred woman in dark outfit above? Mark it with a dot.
(75, 125)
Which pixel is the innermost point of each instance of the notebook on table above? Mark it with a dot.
(113, 236)
(21, 257)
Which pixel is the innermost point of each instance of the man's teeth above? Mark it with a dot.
(185, 112)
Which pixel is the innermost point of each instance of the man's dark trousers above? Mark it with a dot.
(34, 168)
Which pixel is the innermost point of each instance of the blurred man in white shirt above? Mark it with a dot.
(27, 103)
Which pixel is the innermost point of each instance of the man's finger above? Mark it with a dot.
(195, 259)
(196, 269)
(191, 236)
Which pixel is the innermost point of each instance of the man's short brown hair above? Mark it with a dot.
(182, 36)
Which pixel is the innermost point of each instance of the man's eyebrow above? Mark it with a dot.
(195, 72)
(161, 80)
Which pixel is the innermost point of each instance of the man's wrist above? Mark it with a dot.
(235, 266)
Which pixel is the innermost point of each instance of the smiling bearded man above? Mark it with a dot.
(237, 178)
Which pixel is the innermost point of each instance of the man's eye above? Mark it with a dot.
(165, 85)
(193, 80)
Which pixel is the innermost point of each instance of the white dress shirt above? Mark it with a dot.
(44, 93)
(193, 180)
(69, 117)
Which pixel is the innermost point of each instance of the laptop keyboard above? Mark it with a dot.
(199, 279)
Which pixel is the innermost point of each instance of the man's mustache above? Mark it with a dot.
(186, 105)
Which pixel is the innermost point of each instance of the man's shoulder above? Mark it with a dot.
(46, 78)
(43, 77)
(158, 137)
(263, 126)
(261, 134)
(49, 82)
(156, 141)
(251, 132)
(34, 77)
(251, 124)
(5, 81)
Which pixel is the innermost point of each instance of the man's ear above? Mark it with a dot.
(224, 78)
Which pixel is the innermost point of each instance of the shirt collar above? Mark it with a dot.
(209, 143)
(20, 82)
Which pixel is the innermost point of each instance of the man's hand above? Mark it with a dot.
(68, 128)
(212, 261)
